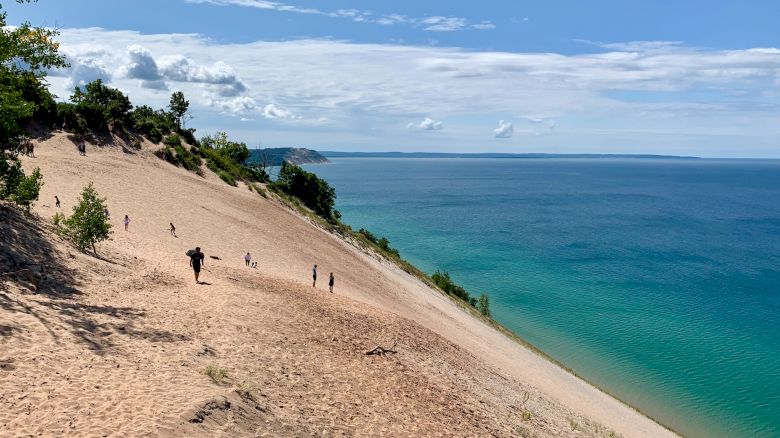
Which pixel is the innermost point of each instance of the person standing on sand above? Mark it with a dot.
(196, 260)
(173, 230)
(247, 258)
(331, 281)
(314, 276)
(126, 221)
(56, 201)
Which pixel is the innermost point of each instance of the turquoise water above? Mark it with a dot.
(657, 280)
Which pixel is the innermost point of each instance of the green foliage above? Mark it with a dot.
(26, 53)
(58, 219)
(483, 305)
(179, 107)
(445, 283)
(102, 106)
(227, 159)
(27, 189)
(88, 225)
(315, 193)
(152, 124)
(177, 154)
(228, 178)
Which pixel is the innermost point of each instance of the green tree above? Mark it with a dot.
(179, 107)
(26, 54)
(314, 192)
(88, 225)
(101, 105)
(483, 305)
(28, 188)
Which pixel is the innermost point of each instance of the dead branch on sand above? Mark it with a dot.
(381, 351)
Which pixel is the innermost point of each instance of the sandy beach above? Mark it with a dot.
(118, 345)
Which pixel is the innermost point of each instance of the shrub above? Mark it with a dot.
(58, 219)
(483, 305)
(445, 283)
(217, 374)
(315, 193)
(112, 105)
(228, 178)
(27, 189)
(88, 225)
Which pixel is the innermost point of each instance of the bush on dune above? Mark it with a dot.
(88, 224)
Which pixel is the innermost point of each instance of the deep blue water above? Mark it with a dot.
(657, 280)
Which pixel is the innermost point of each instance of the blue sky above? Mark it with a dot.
(672, 77)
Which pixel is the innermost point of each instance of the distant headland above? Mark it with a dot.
(335, 154)
(276, 156)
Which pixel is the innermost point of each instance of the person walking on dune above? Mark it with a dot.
(331, 281)
(126, 221)
(197, 259)
(56, 201)
(247, 259)
(173, 230)
(314, 276)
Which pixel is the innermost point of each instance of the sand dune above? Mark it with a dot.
(118, 345)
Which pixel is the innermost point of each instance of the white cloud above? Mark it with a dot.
(432, 23)
(235, 105)
(272, 111)
(427, 124)
(504, 130)
(380, 85)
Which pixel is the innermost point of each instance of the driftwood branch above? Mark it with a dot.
(381, 351)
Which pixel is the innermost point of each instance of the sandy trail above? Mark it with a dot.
(125, 354)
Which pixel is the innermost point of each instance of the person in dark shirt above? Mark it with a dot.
(57, 201)
(173, 230)
(331, 281)
(197, 259)
(314, 276)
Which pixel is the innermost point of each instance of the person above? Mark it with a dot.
(126, 221)
(314, 276)
(56, 201)
(173, 230)
(197, 259)
(105, 212)
(83, 149)
(254, 265)
(247, 258)
(331, 280)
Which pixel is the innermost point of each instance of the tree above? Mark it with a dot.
(100, 104)
(28, 188)
(88, 225)
(26, 54)
(179, 107)
(483, 305)
(314, 192)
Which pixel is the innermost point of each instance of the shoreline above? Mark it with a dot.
(489, 321)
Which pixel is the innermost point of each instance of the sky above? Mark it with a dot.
(671, 77)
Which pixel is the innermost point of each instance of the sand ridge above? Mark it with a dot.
(123, 352)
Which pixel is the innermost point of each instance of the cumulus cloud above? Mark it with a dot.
(142, 64)
(504, 130)
(272, 111)
(427, 124)
(433, 23)
(236, 105)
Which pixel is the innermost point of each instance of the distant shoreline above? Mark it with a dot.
(336, 154)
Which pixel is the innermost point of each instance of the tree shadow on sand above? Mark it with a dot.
(29, 260)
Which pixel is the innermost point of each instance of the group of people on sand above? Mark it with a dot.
(331, 279)
(197, 257)
(248, 261)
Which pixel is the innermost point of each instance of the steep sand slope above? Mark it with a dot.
(125, 354)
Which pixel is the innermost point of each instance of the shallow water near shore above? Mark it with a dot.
(656, 280)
